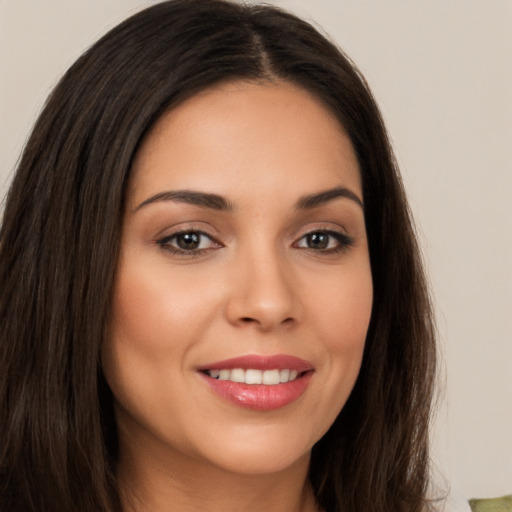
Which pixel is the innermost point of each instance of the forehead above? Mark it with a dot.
(245, 135)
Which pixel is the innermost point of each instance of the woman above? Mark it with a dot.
(211, 292)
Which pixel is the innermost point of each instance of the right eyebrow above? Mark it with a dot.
(203, 199)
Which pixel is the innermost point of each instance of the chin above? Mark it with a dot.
(260, 453)
(262, 463)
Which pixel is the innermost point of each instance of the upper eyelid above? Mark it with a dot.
(327, 227)
(225, 235)
(187, 230)
(330, 232)
(171, 231)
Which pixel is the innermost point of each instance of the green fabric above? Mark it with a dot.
(503, 504)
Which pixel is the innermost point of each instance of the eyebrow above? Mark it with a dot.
(314, 200)
(212, 201)
(216, 202)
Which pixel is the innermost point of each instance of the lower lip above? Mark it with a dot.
(260, 397)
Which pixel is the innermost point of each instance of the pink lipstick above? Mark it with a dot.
(259, 382)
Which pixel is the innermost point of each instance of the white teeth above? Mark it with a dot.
(252, 376)
(271, 377)
(224, 375)
(237, 375)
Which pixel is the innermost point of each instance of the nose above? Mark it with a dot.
(263, 293)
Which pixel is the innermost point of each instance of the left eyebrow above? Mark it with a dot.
(314, 200)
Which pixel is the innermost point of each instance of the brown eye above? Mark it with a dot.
(188, 241)
(318, 240)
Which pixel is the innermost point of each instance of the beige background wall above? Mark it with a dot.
(442, 73)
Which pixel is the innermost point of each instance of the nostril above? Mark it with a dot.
(249, 320)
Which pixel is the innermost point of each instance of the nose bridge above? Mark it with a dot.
(263, 293)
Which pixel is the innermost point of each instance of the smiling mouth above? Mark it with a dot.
(255, 376)
(257, 382)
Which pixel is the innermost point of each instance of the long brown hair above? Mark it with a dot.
(58, 253)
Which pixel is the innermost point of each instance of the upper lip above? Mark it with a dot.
(259, 362)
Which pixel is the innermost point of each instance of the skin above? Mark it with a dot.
(257, 285)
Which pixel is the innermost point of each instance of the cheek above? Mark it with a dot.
(342, 307)
(157, 311)
(154, 325)
(147, 335)
(341, 316)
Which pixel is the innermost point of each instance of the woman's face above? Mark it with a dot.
(243, 291)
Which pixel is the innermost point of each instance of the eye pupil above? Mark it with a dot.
(318, 240)
(188, 241)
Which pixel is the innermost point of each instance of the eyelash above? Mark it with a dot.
(344, 242)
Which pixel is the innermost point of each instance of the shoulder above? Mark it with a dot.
(458, 504)
(503, 504)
